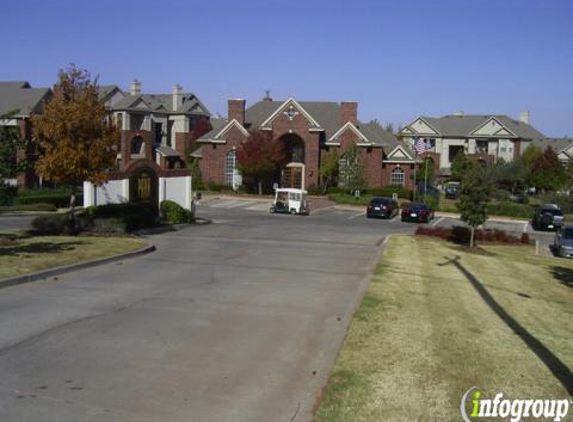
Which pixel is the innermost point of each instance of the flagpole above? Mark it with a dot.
(415, 166)
(425, 177)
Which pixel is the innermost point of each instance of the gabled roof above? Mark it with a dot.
(19, 96)
(558, 144)
(163, 103)
(219, 128)
(167, 151)
(464, 125)
(326, 114)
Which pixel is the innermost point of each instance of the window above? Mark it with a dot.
(430, 143)
(230, 166)
(398, 178)
(137, 146)
(454, 150)
(481, 147)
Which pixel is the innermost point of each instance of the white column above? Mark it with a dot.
(125, 186)
(162, 194)
(88, 194)
(188, 192)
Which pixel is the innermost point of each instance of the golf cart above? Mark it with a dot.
(291, 201)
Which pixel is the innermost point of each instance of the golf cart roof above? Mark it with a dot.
(290, 190)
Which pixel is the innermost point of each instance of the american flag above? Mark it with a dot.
(420, 146)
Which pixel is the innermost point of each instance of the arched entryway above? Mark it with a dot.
(143, 186)
(294, 148)
(292, 175)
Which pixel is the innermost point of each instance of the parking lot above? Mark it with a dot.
(356, 216)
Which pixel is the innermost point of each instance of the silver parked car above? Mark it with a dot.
(563, 243)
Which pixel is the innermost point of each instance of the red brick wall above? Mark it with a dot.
(386, 175)
(126, 138)
(237, 110)
(299, 126)
(214, 157)
(372, 158)
(349, 112)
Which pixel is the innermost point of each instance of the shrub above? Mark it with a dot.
(59, 197)
(315, 190)
(7, 194)
(389, 191)
(173, 213)
(335, 189)
(460, 234)
(52, 225)
(134, 216)
(511, 209)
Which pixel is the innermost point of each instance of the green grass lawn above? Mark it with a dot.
(28, 254)
(423, 335)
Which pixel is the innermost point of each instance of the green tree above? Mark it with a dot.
(530, 155)
(328, 170)
(510, 175)
(425, 171)
(461, 165)
(10, 143)
(547, 173)
(475, 192)
(352, 174)
(196, 175)
(75, 134)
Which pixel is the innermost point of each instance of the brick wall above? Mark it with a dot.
(214, 157)
(299, 126)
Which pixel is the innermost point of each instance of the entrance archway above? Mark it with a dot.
(294, 148)
(143, 186)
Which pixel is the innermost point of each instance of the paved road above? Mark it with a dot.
(236, 321)
(239, 320)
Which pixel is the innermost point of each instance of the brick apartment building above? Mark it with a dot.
(307, 129)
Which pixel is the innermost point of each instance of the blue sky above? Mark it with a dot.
(398, 59)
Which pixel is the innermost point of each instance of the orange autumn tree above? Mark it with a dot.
(75, 134)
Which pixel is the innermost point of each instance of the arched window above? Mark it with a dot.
(230, 167)
(137, 146)
(398, 177)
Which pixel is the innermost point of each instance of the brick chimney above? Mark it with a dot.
(237, 110)
(349, 112)
(525, 117)
(135, 87)
(177, 96)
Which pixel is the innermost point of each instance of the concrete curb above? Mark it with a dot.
(51, 272)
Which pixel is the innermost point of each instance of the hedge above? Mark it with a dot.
(59, 197)
(459, 234)
(7, 194)
(134, 216)
(173, 213)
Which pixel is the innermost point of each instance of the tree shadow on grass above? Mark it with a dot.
(563, 274)
(559, 370)
(17, 249)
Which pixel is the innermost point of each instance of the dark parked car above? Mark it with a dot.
(547, 217)
(563, 243)
(417, 212)
(382, 207)
(452, 190)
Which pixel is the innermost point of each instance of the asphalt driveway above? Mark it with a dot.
(239, 320)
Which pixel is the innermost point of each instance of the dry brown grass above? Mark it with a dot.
(423, 335)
